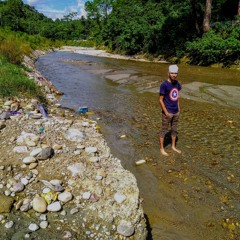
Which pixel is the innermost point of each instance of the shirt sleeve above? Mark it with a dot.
(162, 89)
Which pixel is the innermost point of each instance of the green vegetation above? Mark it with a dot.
(165, 29)
(168, 28)
(14, 83)
(219, 46)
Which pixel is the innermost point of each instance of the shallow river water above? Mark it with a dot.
(194, 195)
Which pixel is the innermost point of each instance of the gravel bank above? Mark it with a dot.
(59, 179)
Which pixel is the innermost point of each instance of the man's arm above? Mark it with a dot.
(163, 105)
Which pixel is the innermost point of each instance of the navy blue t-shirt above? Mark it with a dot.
(171, 95)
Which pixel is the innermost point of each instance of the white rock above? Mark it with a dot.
(43, 217)
(90, 149)
(54, 207)
(29, 160)
(65, 197)
(46, 190)
(80, 146)
(33, 227)
(139, 162)
(86, 195)
(36, 115)
(18, 187)
(24, 181)
(20, 149)
(56, 182)
(125, 230)
(85, 124)
(119, 198)
(35, 152)
(9, 224)
(43, 224)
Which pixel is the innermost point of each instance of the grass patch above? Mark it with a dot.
(14, 83)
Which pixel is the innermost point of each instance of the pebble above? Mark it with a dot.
(124, 230)
(9, 224)
(25, 207)
(86, 195)
(63, 213)
(7, 192)
(56, 182)
(35, 152)
(119, 198)
(44, 224)
(33, 227)
(45, 153)
(65, 197)
(91, 149)
(29, 160)
(18, 187)
(20, 149)
(27, 235)
(54, 207)
(74, 211)
(43, 217)
(39, 204)
(46, 190)
(24, 181)
(67, 235)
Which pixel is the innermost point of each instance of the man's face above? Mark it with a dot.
(172, 76)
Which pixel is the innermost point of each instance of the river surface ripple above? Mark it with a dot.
(192, 196)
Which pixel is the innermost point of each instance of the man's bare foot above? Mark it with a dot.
(176, 150)
(163, 152)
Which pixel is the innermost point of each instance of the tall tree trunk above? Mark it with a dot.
(207, 16)
(194, 13)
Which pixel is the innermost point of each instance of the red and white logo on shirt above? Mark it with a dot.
(174, 94)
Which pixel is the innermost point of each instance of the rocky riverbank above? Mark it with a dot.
(59, 179)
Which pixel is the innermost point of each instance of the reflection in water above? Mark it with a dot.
(187, 196)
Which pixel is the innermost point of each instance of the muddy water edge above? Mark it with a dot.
(192, 196)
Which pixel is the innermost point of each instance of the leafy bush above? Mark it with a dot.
(217, 46)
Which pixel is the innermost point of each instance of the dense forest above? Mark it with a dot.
(204, 31)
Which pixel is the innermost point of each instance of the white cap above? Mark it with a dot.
(173, 69)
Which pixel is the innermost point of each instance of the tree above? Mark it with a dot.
(207, 16)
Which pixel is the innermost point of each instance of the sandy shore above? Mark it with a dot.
(103, 53)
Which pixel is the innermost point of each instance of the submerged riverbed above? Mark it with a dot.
(194, 195)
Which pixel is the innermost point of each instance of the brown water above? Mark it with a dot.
(194, 195)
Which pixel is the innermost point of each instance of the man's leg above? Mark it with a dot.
(174, 125)
(162, 147)
(165, 124)
(174, 145)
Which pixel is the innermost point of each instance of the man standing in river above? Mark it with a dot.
(169, 94)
